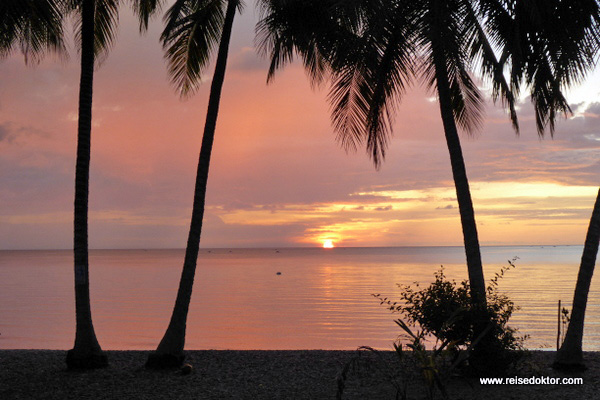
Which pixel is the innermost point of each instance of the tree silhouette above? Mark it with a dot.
(96, 25)
(372, 50)
(193, 29)
(570, 354)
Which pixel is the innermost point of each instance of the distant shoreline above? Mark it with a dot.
(256, 374)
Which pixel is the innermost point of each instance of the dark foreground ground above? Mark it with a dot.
(41, 374)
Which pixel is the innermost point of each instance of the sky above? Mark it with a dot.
(278, 177)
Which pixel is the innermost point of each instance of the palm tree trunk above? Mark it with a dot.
(86, 352)
(463, 193)
(570, 354)
(170, 350)
(479, 356)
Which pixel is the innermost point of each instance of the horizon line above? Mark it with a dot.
(291, 247)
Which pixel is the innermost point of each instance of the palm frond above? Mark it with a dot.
(33, 26)
(367, 89)
(467, 101)
(145, 9)
(547, 97)
(192, 32)
(315, 30)
(105, 26)
(551, 45)
(274, 35)
(482, 53)
(305, 27)
(444, 36)
(350, 96)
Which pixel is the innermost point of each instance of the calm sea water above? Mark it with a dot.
(321, 300)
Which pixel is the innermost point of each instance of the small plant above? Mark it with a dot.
(444, 310)
(564, 319)
(398, 378)
(429, 363)
(563, 323)
(434, 367)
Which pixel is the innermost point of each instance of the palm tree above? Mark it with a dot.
(96, 33)
(372, 58)
(32, 27)
(373, 49)
(570, 354)
(568, 53)
(194, 27)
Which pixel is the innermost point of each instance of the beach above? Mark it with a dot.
(287, 374)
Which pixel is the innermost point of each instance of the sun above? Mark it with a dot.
(328, 244)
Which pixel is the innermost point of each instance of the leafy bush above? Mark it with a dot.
(444, 310)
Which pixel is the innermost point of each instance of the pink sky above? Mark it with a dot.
(278, 177)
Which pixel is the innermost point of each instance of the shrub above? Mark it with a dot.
(444, 310)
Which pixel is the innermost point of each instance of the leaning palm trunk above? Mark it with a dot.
(570, 354)
(86, 352)
(465, 203)
(170, 350)
(459, 173)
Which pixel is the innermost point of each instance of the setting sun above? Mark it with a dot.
(328, 244)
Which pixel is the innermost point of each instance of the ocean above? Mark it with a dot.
(270, 299)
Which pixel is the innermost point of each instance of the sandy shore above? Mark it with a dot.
(41, 374)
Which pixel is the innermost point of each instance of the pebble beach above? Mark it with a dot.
(288, 374)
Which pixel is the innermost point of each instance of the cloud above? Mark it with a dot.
(219, 234)
(5, 134)
(278, 176)
(593, 108)
(247, 60)
(11, 133)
